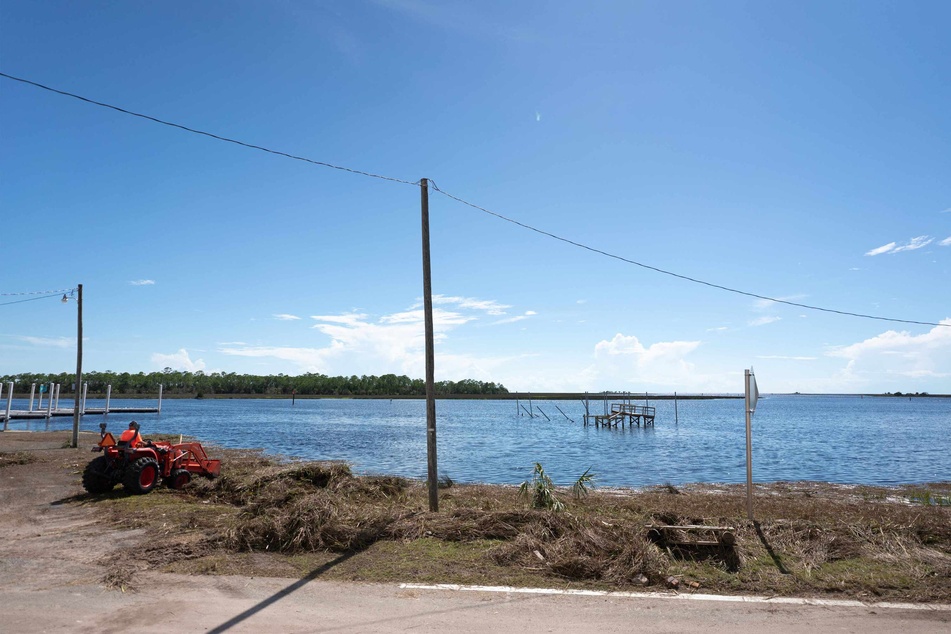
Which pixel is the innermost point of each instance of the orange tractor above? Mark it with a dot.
(139, 464)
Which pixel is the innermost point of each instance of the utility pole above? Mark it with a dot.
(79, 363)
(430, 353)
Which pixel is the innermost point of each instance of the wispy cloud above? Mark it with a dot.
(286, 317)
(489, 306)
(893, 247)
(717, 329)
(946, 242)
(142, 282)
(178, 361)
(512, 320)
(764, 304)
(363, 344)
(50, 342)
(785, 358)
(765, 319)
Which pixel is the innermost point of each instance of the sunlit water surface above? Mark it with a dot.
(844, 439)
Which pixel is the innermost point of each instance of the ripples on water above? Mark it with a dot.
(846, 439)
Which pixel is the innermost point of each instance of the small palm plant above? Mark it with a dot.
(540, 491)
(582, 485)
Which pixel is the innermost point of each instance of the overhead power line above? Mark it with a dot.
(477, 207)
(32, 299)
(208, 134)
(62, 290)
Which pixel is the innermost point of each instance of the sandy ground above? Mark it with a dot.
(54, 556)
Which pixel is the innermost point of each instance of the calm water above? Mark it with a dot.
(846, 439)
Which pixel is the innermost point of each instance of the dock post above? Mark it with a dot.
(108, 396)
(9, 404)
(160, 398)
(56, 389)
(82, 409)
(32, 393)
(531, 410)
(49, 404)
(676, 418)
(39, 404)
(518, 412)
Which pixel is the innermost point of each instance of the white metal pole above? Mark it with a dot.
(32, 394)
(9, 404)
(56, 393)
(108, 396)
(39, 403)
(49, 403)
(749, 450)
(160, 398)
(82, 410)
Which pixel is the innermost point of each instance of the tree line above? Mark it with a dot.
(200, 384)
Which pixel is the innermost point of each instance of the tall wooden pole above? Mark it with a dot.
(79, 363)
(430, 353)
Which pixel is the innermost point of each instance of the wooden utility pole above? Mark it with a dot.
(79, 363)
(430, 353)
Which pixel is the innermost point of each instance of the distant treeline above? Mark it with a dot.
(201, 384)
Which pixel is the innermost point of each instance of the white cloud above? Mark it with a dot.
(50, 342)
(765, 319)
(178, 361)
(489, 306)
(285, 317)
(764, 304)
(785, 358)
(625, 359)
(893, 353)
(391, 343)
(946, 242)
(511, 320)
(914, 243)
(885, 248)
(718, 329)
(893, 247)
(142, 282)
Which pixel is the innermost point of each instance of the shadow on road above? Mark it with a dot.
(277, 596)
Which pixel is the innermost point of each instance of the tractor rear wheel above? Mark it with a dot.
(178, 478)
(95, 479)
(141, 476)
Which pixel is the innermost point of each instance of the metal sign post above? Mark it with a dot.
(752, 395)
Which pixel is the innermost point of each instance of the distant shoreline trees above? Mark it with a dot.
(199, 384)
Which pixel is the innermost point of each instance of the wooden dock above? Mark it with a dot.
(624, 413)
(23, 414)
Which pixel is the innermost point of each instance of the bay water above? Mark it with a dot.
(841, 439)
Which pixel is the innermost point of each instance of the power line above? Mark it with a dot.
(62, 290)
(32, 299)
(678, 275)
(474, 206)
(208, 134)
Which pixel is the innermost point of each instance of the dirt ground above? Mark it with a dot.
(61, 570)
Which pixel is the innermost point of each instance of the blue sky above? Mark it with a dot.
(794, 150)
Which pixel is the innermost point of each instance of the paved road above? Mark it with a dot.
(167, 603)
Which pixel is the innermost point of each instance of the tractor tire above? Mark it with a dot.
(178, 478)
(141, 476)
(95, 479)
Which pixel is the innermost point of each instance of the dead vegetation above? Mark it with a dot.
(810, 539)
(16, 457)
